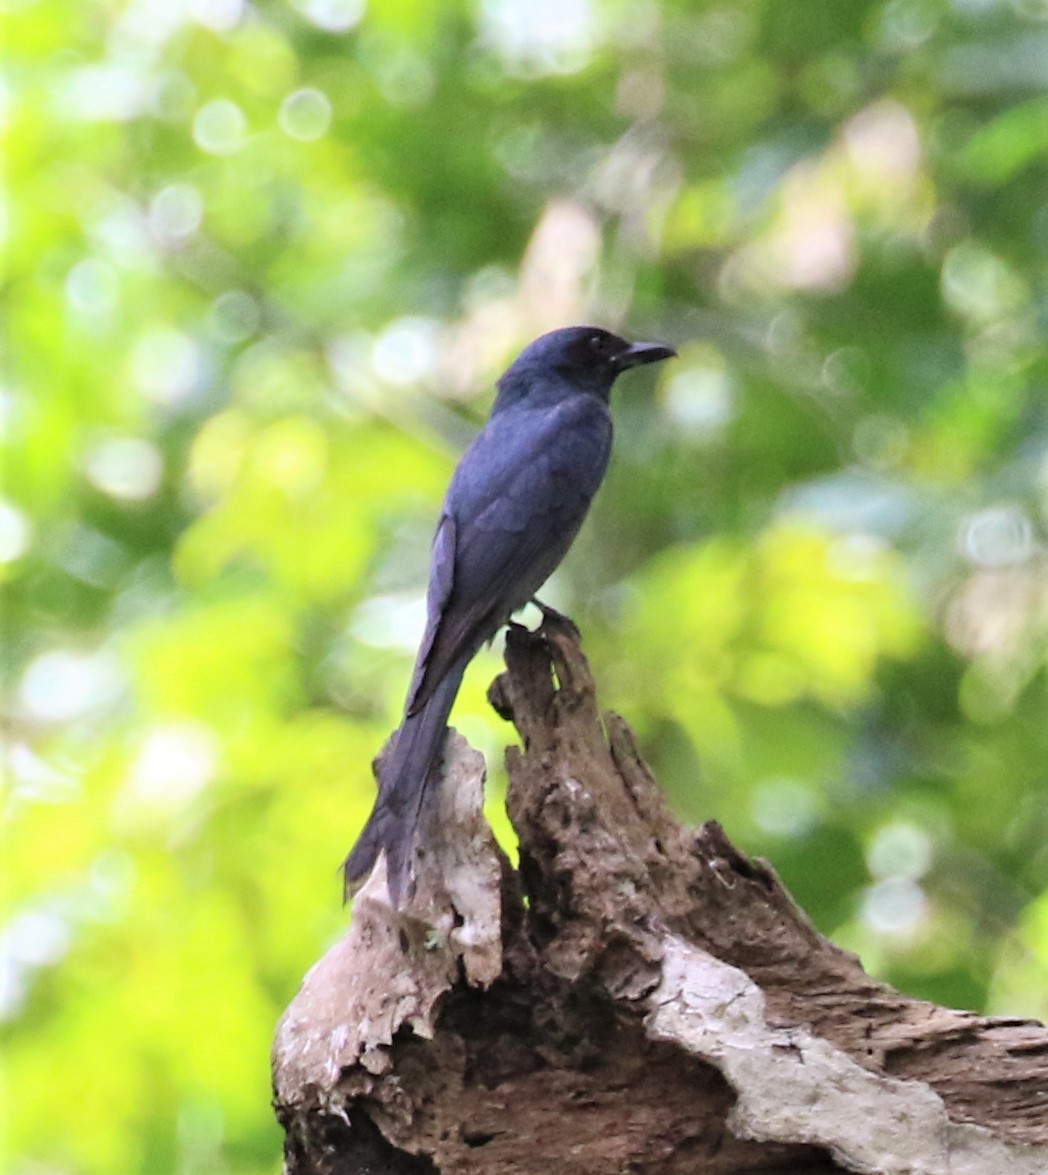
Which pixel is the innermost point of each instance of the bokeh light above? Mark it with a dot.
(264, 264)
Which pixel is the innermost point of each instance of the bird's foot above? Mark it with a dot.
(552, 616)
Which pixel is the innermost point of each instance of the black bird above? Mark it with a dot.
(515, 503)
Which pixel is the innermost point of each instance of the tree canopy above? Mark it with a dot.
(264, 263)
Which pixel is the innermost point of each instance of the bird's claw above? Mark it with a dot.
(552, 616)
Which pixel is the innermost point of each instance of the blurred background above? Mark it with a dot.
(264, 262)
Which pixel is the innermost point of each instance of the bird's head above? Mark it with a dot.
(586, 358)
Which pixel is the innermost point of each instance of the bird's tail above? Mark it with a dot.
(408, 776)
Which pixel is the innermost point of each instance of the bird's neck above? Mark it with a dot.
(528, 390)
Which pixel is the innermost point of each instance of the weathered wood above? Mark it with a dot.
(637, 997)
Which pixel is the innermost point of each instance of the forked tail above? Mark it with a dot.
(408, 777)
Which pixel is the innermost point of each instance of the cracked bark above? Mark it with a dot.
(637, 997)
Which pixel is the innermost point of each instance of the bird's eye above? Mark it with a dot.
(599, 343)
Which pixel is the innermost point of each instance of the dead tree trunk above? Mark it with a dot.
(639, 997)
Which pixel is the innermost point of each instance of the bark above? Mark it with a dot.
(636, 997)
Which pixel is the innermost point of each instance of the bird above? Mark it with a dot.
(512, 509)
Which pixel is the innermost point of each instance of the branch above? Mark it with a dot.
(636, 997)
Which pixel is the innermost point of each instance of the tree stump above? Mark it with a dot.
(637, 997)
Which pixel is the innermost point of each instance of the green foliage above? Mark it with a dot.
(263, 264)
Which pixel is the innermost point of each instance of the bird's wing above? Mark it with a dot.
(514, 507)
(441, 578)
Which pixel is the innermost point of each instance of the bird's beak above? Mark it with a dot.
(637, 354)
